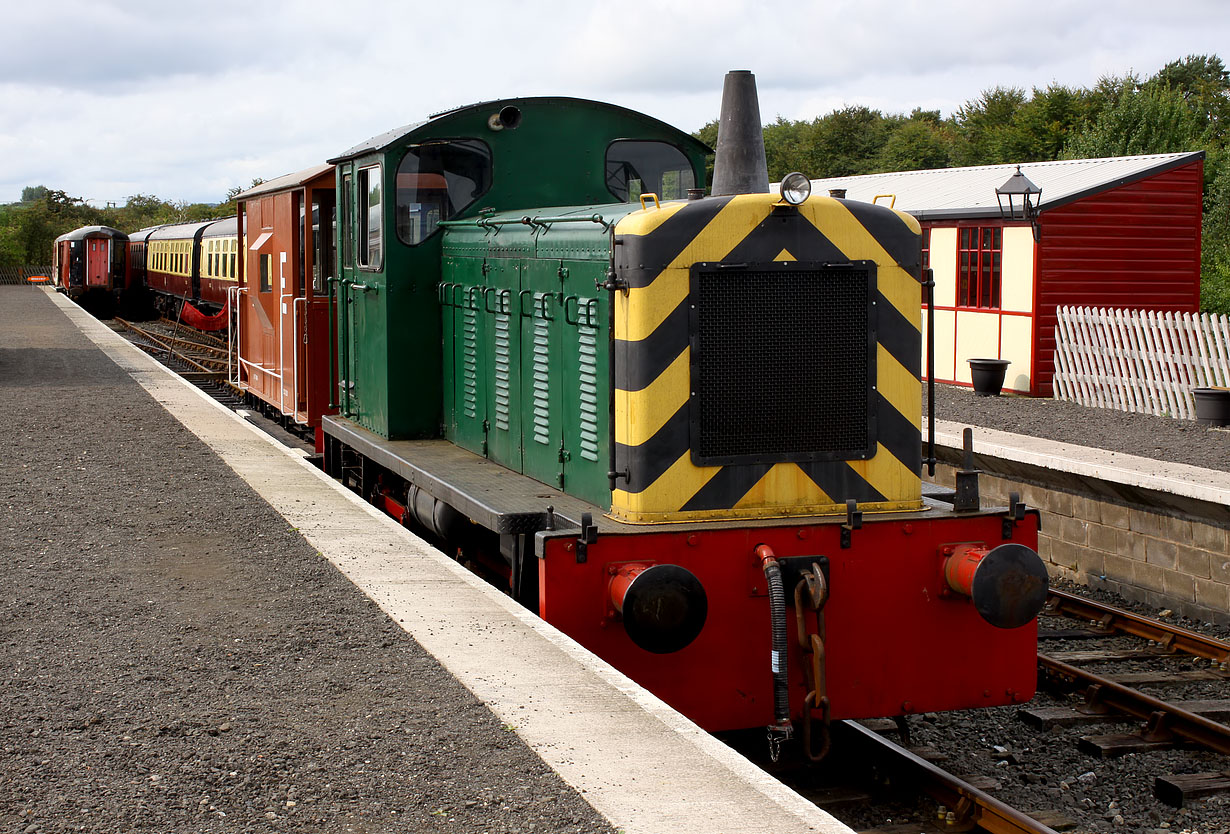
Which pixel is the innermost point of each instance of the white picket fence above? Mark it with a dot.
(1139, 360)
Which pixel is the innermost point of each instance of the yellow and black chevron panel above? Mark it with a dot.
(767, 359)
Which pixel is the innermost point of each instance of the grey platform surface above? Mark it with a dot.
(639, 763)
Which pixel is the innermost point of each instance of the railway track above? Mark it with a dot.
(201, 356)
(1168, 723)
(1036, 769)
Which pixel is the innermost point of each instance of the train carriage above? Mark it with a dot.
(282, 313)
(678, 428)
(91, 262)
(217, 264)
(138, 248)
(171, 260)
(190, 266)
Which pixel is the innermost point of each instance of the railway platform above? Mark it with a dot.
(203, 632)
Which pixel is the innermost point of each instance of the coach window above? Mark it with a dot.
(266, 273)
(436, 181)
(635, 167)
(371, 206)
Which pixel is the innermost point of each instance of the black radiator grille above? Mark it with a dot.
(783, 358)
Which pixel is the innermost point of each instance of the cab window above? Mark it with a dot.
(347, 232)
(635, 167)
(436, 181)
(371, 206)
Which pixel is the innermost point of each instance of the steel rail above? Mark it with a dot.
(220, 343)
(1109, 618)
(210, 344)
(170, 351)
(179, 340)
(967, 802)
(1163, 719)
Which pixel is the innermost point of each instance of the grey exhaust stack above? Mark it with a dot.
(739, 166)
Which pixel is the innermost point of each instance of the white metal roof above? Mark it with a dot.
(970, 192)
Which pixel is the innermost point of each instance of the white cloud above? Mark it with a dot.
(108, 99)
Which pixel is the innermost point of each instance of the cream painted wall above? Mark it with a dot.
(944, 344)
(1016, 343)
(1017, 270)
(977, 337)
(944, 265)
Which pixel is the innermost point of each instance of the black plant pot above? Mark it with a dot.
(1212, 406)
(988, 376)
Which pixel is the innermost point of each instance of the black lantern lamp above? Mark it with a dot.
(1019, 199)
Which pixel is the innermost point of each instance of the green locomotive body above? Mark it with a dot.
(394, 191)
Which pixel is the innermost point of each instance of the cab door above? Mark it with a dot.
(317, 349)
(348, 324)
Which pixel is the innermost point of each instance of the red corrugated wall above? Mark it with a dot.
(1136, 246)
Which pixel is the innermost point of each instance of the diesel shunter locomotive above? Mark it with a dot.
(684, 428)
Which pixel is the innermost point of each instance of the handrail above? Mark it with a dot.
(282, 344)
(294, 407)
(526, 220)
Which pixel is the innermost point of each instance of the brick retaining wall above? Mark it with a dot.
(1152, 557)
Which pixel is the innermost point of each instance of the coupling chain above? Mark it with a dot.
(810, 595)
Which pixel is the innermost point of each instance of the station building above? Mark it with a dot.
(1008, 250)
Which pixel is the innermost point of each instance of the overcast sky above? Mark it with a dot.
(186, 100)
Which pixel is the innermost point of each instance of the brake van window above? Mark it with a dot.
(435, 181)
(635, 167)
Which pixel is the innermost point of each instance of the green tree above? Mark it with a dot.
(708, 135)
(787, 148)
(1215, 237)
(1041, 126)
(921, 142)
(28, 230)
(33, 192)
(1153, 119)
(846, 142)
(985, 127)
(1204, 83)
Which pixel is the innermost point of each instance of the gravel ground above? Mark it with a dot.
(1161, 438)
(176, 658)
(1039, 770)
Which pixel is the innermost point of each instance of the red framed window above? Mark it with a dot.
(979, 257)
(926, 247)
